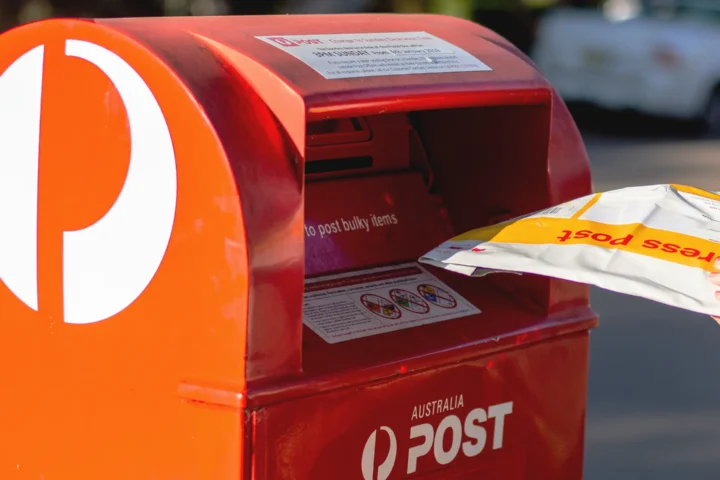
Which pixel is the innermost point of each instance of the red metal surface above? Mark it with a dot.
(325, 436)
(210, 373)
(420, 227)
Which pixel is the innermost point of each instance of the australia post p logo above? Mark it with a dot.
(386, 463)
(106, 265)
(286, 42)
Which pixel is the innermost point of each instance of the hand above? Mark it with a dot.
(715, 280)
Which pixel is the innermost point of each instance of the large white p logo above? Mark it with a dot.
(106, 266)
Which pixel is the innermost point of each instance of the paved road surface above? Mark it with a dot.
(654, 394)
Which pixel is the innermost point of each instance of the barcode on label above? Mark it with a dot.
(346, 53)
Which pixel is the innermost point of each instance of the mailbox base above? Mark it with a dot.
(515, 414)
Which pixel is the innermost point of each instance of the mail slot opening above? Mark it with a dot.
(440, 173)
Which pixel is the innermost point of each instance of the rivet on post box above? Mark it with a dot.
(208, 256)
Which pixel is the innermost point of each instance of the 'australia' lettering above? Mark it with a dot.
(434, 407)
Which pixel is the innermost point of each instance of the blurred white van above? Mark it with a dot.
(655, 57)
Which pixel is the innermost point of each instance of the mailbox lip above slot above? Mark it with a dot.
(297, 94)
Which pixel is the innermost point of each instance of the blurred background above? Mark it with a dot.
(516, 19)
(642, 78)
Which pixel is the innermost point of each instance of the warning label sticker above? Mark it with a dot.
(376, 54)
(360, 304)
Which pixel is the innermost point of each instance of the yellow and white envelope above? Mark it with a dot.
(658, 242)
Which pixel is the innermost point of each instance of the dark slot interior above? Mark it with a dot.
(338, 165)
(501, 152)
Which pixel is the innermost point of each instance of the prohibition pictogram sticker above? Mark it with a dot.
(381, 306)
(437, 296)
(409, 301)
(353, 305)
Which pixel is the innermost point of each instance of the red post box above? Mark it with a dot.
(210, 229)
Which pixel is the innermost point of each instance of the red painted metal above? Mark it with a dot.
(324, 436)
(251, 393)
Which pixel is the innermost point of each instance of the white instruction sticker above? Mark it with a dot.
(376, 54)
(370, 302)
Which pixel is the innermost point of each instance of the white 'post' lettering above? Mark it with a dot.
(452, 423)
(475, 432)
(425, 430)
(498, 412)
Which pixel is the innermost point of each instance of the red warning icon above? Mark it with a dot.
(437, 296)
(409, 301)
(381, 306)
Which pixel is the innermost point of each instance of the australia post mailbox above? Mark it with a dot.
(208, 244)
